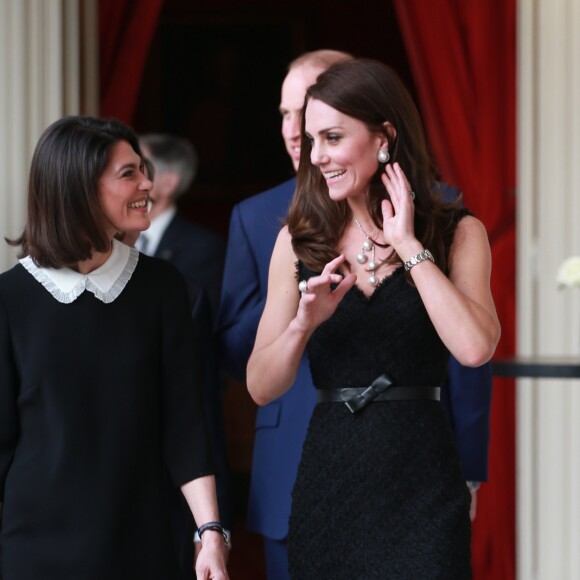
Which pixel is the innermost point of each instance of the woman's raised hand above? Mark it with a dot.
(399, 212)
(319, 300)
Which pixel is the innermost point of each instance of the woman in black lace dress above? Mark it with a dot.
(379, 279)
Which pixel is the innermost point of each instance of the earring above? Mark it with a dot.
(383, 155)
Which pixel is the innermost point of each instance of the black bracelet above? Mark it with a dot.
(214, 527)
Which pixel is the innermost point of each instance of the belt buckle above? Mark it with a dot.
(355, 402)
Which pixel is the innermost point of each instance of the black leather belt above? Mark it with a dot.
(381, 389)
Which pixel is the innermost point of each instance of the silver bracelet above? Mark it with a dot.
(420, 257)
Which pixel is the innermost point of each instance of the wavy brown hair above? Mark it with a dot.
(371, 92)
(65, 222)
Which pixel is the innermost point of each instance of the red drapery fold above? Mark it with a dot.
(126, 28)
(462, 54)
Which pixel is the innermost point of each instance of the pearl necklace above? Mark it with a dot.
(368, 246)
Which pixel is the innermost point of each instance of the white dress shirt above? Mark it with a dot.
(148, 241)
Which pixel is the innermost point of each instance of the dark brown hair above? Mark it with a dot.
(371, 92)
(65, 222)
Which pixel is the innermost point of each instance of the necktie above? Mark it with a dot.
(142, 243)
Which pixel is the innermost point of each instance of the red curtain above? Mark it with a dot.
(462, 54)
(126, 28)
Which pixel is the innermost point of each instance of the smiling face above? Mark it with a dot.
(293, 92)
(343, 149)
(123, 191)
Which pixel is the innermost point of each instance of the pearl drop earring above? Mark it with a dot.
(383, 155)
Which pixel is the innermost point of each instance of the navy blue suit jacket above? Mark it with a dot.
(281, 425)
(198, 253)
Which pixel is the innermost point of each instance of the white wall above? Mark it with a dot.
(44, 69)
(548, 422)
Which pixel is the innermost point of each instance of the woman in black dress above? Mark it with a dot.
(379, 279)
(99, 398)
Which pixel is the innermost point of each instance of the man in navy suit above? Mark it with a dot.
(281, 425)
(198, 253)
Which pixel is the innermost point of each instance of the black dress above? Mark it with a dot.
(98, 401)
(380, 493)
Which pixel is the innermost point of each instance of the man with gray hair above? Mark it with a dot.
(197, 252)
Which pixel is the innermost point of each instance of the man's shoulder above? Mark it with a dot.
(448, 192)
(187, 227)
(276, 198)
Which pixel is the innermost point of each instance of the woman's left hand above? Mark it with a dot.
(399, 212)
(211, 561)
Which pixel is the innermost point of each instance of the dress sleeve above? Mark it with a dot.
(8, 395)
(187, 449)
(206, 355)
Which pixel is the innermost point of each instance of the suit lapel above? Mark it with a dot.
(169, 241)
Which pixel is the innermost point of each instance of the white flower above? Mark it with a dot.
(569, 272)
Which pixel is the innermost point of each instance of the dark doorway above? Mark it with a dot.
(214, 74)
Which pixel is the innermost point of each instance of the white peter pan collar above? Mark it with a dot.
(106, 282)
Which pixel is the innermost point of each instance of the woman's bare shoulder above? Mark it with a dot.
(469, 227)
(283, 245)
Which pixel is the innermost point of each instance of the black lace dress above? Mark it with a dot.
(380, 493)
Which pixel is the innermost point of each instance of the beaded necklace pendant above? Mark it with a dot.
(363, 258)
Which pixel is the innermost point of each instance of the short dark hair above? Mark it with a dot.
(65, 222)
